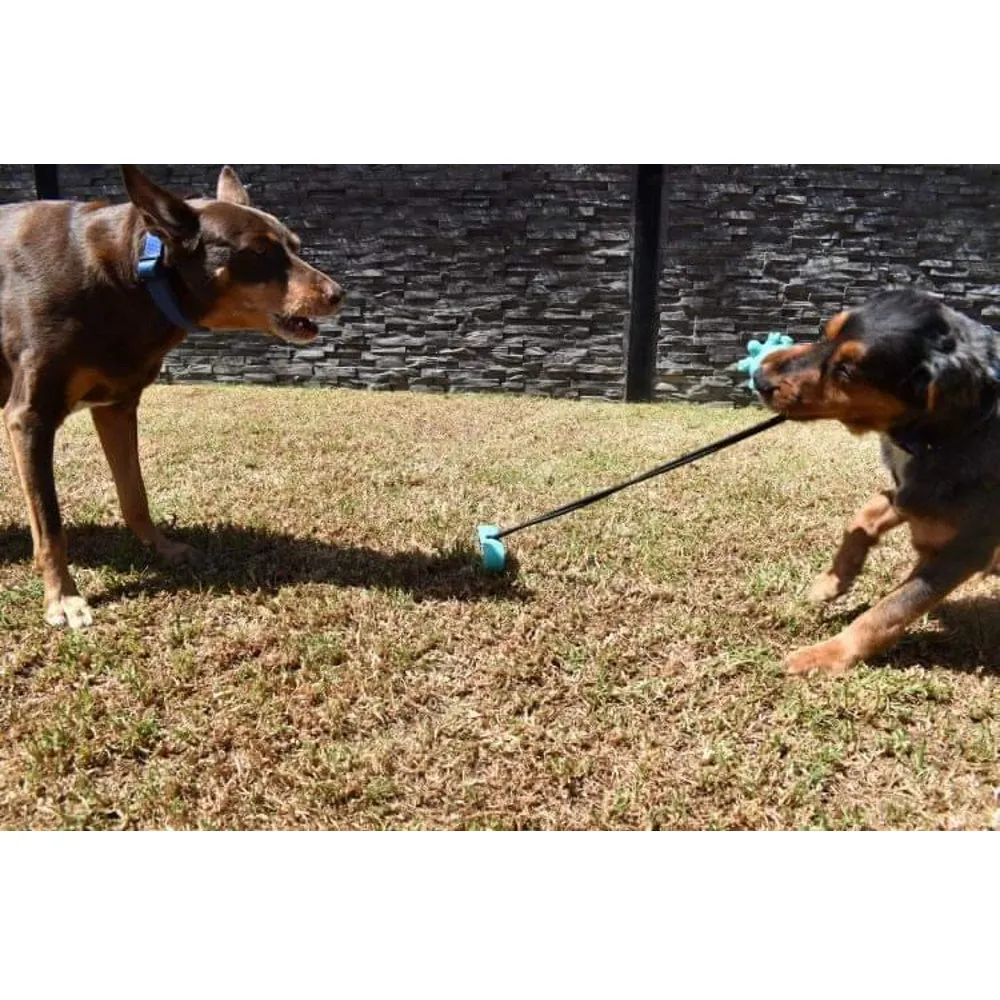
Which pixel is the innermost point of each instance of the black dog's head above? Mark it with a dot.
(903, 358)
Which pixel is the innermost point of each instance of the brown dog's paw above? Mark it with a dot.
(826, 587)
(831, 657)
(178, 553)
(71, 610)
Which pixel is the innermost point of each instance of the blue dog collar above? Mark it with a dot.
(153, 276)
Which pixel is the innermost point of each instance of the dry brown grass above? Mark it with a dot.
(340, 662)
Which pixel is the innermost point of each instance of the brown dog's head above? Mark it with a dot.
(239, 266)
(903, 358)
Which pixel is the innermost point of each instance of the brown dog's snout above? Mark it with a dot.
(335, 293)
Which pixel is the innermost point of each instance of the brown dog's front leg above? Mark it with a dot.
(870, 523)
(117, 427)
(32, 441)
(934, 577)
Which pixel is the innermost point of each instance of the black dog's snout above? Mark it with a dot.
(762, 383)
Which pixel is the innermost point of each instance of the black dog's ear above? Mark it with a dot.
(165, 214)
(230, 188)
(957, 379)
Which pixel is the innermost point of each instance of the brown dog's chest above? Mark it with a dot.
(88, 387)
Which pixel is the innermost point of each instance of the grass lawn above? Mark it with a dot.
(339, 661)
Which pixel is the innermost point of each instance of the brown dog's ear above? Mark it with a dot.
(164, 213)
(230, 188)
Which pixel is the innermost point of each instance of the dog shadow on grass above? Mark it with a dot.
(235, 557)
(966, 638)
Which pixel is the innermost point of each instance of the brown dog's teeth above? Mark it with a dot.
(298, 325)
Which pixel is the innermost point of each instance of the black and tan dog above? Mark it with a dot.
(93, 296)
(927, 379)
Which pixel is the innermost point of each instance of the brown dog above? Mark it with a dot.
(927, 380)
(89, 307)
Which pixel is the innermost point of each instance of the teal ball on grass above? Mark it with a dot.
(493, 552)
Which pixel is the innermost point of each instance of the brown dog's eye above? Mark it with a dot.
(260, 261)
(842, 372)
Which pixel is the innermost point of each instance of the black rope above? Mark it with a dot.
(693, 456)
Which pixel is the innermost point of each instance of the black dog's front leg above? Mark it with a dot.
(863, 533)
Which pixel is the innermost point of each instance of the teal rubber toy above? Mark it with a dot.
(494, 554)
(757, 351)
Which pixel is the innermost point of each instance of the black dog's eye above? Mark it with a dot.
(842, 371)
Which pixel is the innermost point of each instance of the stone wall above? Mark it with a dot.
(17, 183)
(497, 278)
(516, 278)
(749, 249)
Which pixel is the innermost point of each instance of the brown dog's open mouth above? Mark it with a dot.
(296, 327)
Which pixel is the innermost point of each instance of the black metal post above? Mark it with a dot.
(46, 181)
(643, 329)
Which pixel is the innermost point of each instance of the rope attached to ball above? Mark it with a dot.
(489, 536)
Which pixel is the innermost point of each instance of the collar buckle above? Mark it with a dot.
(153, 276)
(151, 257)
